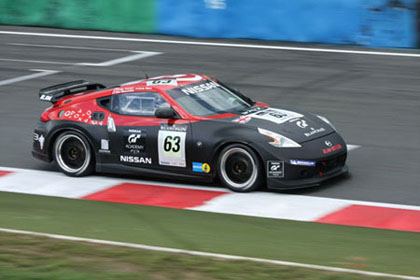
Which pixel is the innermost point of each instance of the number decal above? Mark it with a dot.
(167, 144)
(171, 148)
(169, 82)
(176, 145)
(172, 144)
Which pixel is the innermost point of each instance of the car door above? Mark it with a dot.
(139, 139)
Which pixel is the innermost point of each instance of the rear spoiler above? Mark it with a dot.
(55, 93)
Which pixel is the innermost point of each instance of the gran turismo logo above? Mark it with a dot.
(132, 139)
(275, 167)
(301, 123)
(328, 143)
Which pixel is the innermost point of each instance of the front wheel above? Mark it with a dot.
(73, 154)
(239, 168)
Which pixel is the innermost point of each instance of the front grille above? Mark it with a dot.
(326, 166)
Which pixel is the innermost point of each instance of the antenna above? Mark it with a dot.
(145, 74)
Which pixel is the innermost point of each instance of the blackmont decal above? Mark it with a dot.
(314, 131)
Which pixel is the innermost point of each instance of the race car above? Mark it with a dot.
(186, 126)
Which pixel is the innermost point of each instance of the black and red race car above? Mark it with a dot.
(185, 126)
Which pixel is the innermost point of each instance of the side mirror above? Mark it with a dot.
(166, 112)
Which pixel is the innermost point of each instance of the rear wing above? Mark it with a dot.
(55, 93)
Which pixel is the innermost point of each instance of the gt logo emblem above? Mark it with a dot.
(328, 143)
(275, 168)
(301, 123)
(132, 139)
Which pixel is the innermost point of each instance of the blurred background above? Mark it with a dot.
(372, 23)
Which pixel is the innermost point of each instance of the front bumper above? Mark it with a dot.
(313, 177)
(317, 163)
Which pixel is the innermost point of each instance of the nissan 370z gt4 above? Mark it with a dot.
(185, 126)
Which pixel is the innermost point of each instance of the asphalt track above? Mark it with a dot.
(373, 100)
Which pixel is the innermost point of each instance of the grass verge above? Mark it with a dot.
(349, 247)
(26, 257)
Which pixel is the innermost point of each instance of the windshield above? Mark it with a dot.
(208, 98)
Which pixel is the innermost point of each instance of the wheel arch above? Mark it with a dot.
(61, 130)
(224, 144)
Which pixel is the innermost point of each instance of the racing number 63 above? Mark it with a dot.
(171, 144)
(171, 148)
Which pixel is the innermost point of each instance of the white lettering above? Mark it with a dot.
(135, 159)
(199, 88)
(307, 134)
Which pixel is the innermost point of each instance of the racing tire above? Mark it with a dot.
(73, 154)
(239, 168)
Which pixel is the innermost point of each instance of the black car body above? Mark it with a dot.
(186, 127)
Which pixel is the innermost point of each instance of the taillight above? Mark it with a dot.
(45, 116)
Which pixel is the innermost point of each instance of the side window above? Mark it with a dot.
(137, 103)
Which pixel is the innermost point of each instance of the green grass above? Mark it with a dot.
(348, 247)
(26, 257)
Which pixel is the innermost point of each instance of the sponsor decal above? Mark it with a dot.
(253, 110)
(104, 146)
(123, 90)
(171, 147)
(201, 167)
(277, 116)
(133, 138)
(162, 82)
(135, 141)
(39, 138)
(79, 115)
(242, 119)
(135, 159)
(302, 162)
(328, 143)
(332, 149)
(314, 131)
(199, 88)
(174, 127)
(301, 124)
(275, 169)
(46, 97)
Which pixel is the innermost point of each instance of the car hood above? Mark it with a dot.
(298, 126)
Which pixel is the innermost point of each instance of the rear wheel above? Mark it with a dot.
(73, 154)
(239, 168)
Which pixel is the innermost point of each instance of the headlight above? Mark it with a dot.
(279, 141)
(326, 120)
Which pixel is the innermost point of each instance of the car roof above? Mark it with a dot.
(160, 83)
